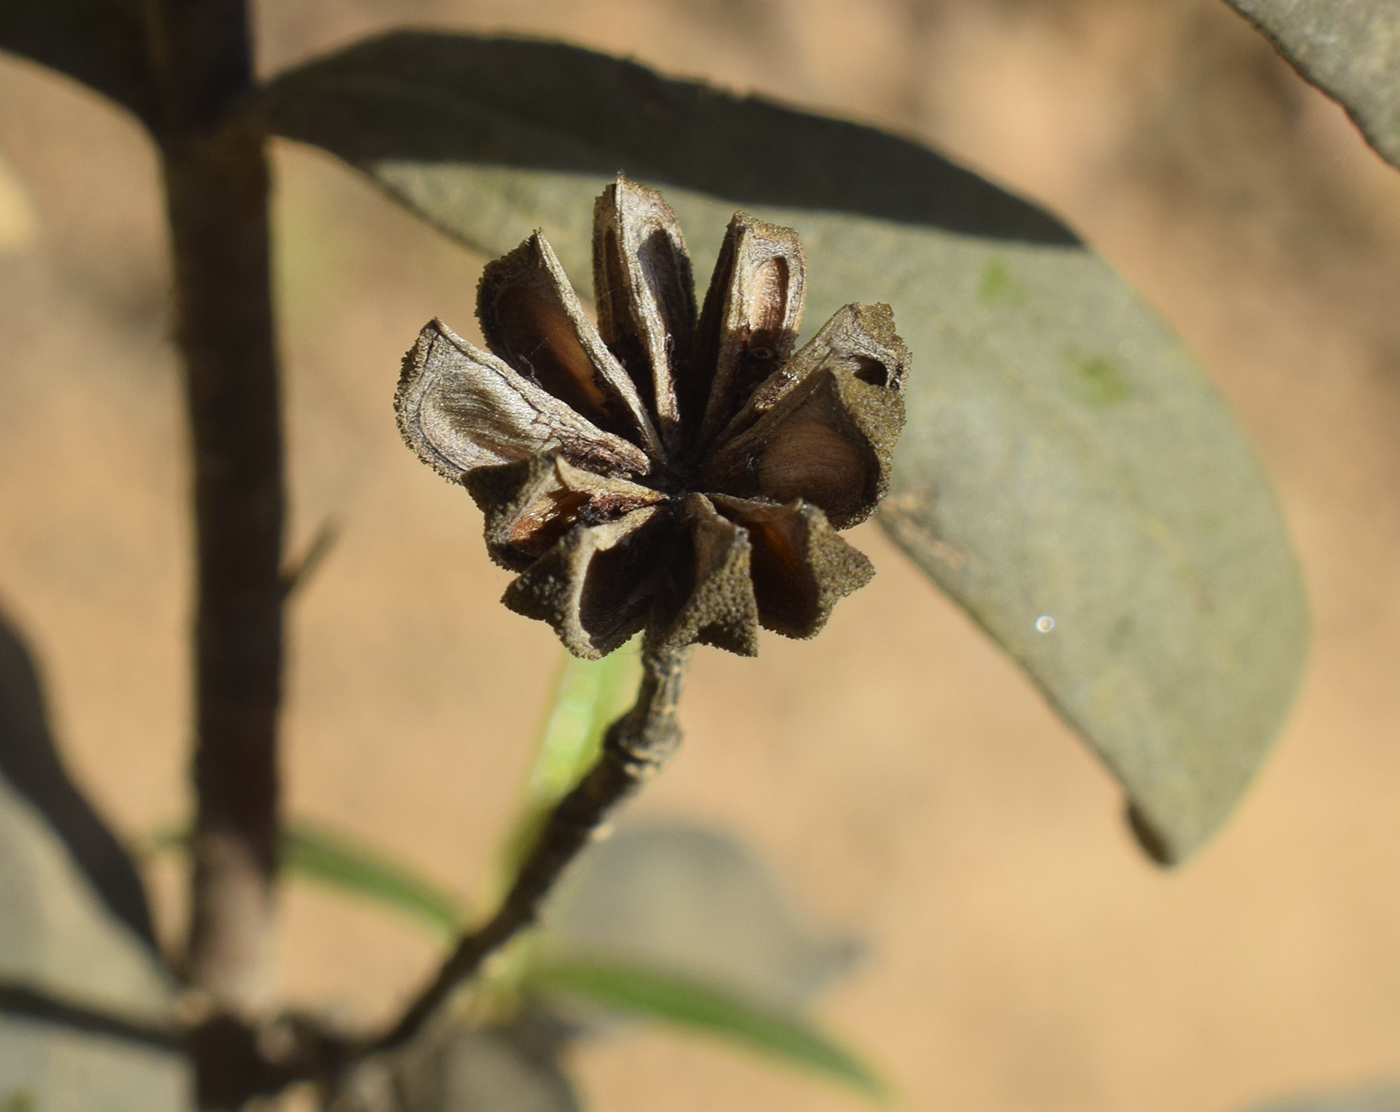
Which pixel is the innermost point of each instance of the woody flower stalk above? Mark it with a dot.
(677, 474)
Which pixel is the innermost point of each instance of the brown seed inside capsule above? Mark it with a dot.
(815, 461)
(547, 519)
(538, 338)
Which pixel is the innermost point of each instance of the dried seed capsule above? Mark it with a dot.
(662, 472)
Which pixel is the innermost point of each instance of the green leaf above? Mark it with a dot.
(319, 853)
(101, 43)
(1351, 51)
(1064, 457)
(588, 695)
(686, 1002)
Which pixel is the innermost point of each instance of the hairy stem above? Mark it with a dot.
(216, 181)
(635, 748)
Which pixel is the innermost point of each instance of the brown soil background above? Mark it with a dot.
(900, 774)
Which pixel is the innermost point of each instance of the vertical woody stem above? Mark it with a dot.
(634, 749)
(218, 209)
(216, 181)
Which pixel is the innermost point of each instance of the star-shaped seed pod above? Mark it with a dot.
(661, 470)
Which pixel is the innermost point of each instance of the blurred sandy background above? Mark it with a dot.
(901, 775)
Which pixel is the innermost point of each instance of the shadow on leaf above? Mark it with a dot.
(413, 96)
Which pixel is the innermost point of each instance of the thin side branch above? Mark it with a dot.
(295, 577)
(25, 1001)
(635, 748)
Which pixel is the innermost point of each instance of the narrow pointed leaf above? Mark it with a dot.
(588, 694)
(686, 1002)
(1348, 49)
(332, 858)
(1064, 457)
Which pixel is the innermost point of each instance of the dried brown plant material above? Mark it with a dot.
(662, 471)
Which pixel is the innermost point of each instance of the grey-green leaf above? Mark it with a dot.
(1064, 460)
(58, 941)
(101, 43)
(1347, 48)
(1071, 478)
(688, 898)
(452, 1068)
(30, 761)
(687, 1002)
(85, 1005)
(1381, 1097)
